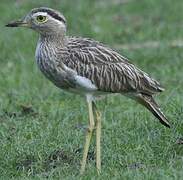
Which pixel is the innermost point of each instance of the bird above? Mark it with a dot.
(89, 68)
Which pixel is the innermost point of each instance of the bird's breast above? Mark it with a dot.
(46, 59)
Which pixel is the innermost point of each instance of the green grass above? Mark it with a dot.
(39, 137)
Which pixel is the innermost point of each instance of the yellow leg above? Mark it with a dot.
(98, 137)
(88, 137)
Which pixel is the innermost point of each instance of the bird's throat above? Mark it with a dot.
(58, 40)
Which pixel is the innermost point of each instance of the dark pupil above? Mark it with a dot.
(41, 18)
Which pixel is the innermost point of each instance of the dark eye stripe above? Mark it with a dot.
(51, 13)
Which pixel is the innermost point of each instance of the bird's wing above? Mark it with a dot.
(107, 69)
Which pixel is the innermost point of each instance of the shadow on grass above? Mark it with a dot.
(60, 158)
(23, 110)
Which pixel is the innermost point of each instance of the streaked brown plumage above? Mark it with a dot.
(88, 67)
(107, 69)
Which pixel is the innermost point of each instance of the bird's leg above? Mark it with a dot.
(88, 137)
(98, 137)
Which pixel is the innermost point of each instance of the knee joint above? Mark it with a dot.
(90, 128)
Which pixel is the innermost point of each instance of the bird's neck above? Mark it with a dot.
(56, 40)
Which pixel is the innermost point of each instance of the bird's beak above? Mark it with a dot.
(19, 23)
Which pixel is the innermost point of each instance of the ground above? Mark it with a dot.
(42, 128)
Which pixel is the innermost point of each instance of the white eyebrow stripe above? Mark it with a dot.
(40, 13)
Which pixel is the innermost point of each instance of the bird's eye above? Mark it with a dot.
(41, 18)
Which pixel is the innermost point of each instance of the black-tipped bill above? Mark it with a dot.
(19, 23)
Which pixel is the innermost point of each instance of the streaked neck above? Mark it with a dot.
(58, 40)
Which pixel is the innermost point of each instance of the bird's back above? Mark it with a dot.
(106, 69)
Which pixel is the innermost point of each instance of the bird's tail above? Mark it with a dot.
(153, 107)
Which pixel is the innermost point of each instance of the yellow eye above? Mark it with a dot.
(41, 18)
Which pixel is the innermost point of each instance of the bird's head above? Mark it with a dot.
(44, 20)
